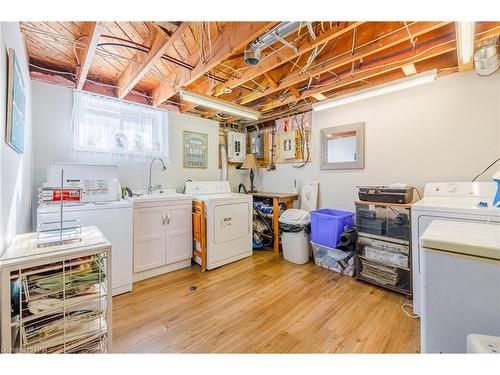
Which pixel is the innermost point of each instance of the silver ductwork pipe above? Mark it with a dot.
(487, 58)
(276, 34)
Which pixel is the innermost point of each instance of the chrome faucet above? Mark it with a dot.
(163, 168)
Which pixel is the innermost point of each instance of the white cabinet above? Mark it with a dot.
(149, 238)
(178, 238)
(162, 237)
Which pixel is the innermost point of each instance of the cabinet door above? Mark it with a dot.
(149, 238)
(179, 242)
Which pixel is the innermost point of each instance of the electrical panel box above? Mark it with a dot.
(256, 145)
(236, 147)
(288, 145)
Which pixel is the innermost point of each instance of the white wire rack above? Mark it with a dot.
(55, 300)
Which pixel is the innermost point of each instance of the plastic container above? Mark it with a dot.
(383, 220)
(294, 225)
(333, 259)
(327, 225)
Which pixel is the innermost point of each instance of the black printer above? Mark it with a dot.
(387, 194)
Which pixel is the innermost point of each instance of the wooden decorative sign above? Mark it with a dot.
(195, 150)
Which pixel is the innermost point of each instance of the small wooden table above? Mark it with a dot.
(277, 198)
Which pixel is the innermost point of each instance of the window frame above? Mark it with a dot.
(123, 111)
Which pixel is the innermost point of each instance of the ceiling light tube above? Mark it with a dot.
(400, 84)
(465, 42)
(218, 104)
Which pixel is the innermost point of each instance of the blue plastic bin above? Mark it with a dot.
(327, 225)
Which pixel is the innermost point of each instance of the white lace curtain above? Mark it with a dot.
(105, 125)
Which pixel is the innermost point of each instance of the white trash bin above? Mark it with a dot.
(295, 225)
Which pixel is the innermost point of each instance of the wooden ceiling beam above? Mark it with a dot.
(93, 31)
(233, 37)
(370, 71)
(284, 55)
(448, 64)
(270, 79)
(294, 92)
(390, 40)
(159, 42)
(437, 48)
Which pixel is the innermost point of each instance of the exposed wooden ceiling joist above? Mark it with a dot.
(270, 80)
(289, 82)
(369, 71)
(233, 37)
(393, 39)
(430, 51)
(93, 32)
(445, 62)
(286, 54)
(159, 42)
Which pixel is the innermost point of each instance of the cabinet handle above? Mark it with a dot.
(163, 218)
(168, 219)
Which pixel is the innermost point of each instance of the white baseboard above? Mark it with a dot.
(122, 289)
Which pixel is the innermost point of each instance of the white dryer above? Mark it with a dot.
(460, 201)
(228, 221)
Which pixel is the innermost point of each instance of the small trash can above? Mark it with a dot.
(295, 227)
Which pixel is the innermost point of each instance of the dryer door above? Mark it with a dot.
(231, 221)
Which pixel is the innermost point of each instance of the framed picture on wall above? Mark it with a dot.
(16, 104)
(195, 150)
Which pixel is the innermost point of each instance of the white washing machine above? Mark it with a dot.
(101, 206)
(228, 221)
(448, 201)
(461, 284)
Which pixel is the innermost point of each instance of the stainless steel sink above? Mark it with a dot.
(155, 196)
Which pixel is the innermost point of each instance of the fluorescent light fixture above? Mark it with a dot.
(400, 84)
(409, 69)
(221, 105)
(465, 43)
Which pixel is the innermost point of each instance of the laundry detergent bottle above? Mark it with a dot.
(496, 200)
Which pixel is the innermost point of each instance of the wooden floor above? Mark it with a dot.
(261, 304)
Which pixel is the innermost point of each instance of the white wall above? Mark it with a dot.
(15, 169)
(52, 106)
(448, 130)
(445, 131)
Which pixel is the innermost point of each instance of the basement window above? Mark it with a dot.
(107, 125)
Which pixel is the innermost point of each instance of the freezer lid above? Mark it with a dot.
(462, 237)
(77, 207)
(99, 181)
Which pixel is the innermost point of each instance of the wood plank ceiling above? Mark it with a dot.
(149, 62)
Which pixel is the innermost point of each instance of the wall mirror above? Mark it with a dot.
(343, 147)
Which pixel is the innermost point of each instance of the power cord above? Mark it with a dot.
(418, 193)
(483, 172)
